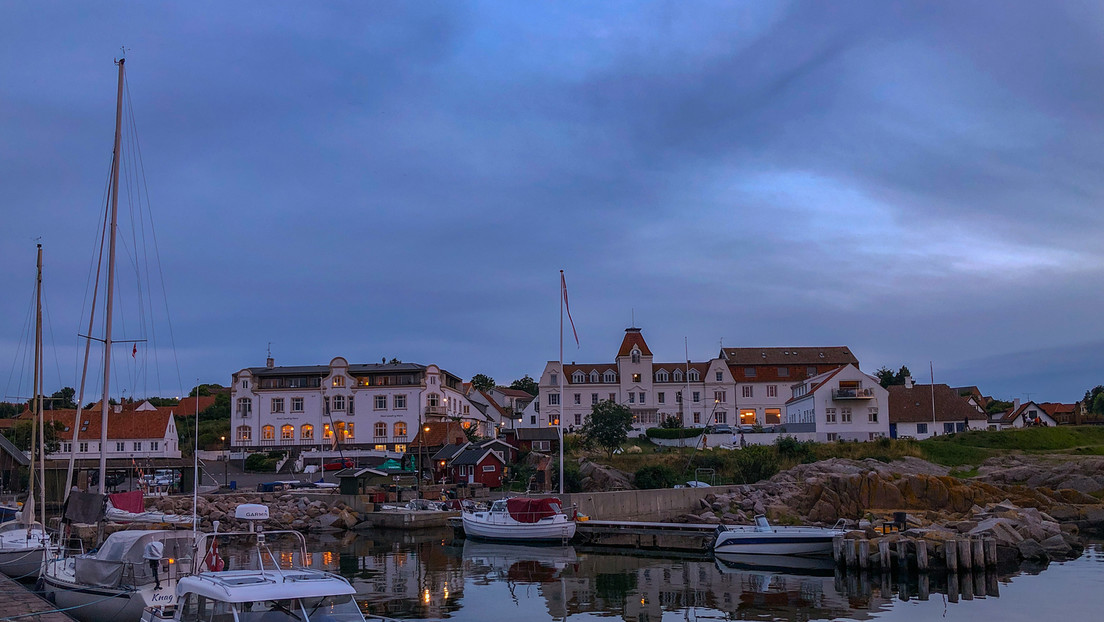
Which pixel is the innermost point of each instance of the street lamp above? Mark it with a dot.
(225, 463)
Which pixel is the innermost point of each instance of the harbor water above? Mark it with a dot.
(431, 576)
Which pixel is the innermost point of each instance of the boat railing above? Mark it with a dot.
(840, 524)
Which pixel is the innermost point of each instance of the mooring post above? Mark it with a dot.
(992, 585)
(990, 552)
(965, 555)
(850, 549)
(837, 550)
(966, 587)
(923, 588)
(979, 584)
(950, 555)
(883, 554)
(952, 587)
(978, 552)
(902, 554)
(864, 554)
(922, 555)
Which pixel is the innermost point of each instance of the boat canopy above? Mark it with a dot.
(120, 560)
(525, 510)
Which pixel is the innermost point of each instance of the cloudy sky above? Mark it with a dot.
(920, 182)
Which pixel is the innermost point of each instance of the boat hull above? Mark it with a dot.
(22, 564)
(802, 541)
(98, 604)
(556, 529)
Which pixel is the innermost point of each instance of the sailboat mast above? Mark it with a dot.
(111, 279)
(38, 392)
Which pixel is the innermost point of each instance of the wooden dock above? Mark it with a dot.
(646, 536)
(23, 605)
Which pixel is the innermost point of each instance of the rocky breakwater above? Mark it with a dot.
(286, 511)
(1026, 522)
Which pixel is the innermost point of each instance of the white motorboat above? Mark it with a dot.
(268, 593)
(299, 595)
(116, 581)
(520, 520)
(762, 538)
(22, 547)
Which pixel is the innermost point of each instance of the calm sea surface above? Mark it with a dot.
(424, 577)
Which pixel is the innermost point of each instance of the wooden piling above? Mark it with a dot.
(883, 554)
(902, 553)
(990, 552)
(837, 550)
(966, 585)
(849, 549)
(864, 554)
(923, 586)
(965, 555)
(978, 552)
(952, 586)
(979, 584)
(950, 555)
(922, 556)
(992, 584)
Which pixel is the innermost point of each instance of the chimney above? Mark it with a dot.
(909, 382)
(1016, 404)
(270, 362)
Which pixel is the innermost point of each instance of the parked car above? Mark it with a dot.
(337, 466)
(723, 428)
(692, 484)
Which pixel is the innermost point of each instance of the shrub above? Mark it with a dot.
(755, 463)
(259, 462)
(674, 432)
(792, 449)
(655, 476)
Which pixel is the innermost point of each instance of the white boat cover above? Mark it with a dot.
(114, 514)
(119, 561)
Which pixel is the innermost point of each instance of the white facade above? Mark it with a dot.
(142, 432)
(840, 405)
(763, 376)
(698, 393)
(373, 406)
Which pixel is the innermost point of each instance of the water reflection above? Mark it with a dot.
(430, 576)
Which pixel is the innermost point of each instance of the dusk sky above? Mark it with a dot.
(917, 181)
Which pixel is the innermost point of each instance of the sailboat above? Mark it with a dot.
(23, 542)
(117, 581)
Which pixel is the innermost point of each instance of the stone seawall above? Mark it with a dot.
(657, 505)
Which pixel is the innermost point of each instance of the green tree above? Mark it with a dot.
(671, 422)
(203, 390)
(8, 410)
(1094, 404)
(217, 411)
(20, 435)
(62, 399)
(887, 377)
(607, 426)
(482, 382)
(163, 401)
(526, 384)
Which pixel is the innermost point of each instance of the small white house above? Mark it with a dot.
(842, 404)
(912, 414)
(1022, 416)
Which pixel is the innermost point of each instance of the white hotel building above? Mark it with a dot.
(376, 406)
(741, 387)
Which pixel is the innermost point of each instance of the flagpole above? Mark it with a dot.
(559, 421)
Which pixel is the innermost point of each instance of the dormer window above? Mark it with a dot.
(635, 355)
(594, 377)
(693, 375)
(678, 375)
(609, 376)
(578, 377)
(661, 376)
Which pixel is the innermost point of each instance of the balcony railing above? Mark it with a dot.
(436, 410)
(852, 394)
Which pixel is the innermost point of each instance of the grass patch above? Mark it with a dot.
(964, 473)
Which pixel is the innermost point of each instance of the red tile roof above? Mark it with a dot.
(129, 424)
(633, 338)
(518, 393)
(915, 405)
(440, 433)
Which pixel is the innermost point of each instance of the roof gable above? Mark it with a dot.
(633, 338)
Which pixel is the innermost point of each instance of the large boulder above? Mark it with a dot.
(1031, 549)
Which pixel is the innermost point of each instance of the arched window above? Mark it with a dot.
(400, 429)
(339, 381)
(380, 429)
(594, 377)
(433, 400)
(268, 433)
(306, 432)
(287, 432)
(635, 355)
(245, 433)
(609, 376)
(693, 375)
(578, 377)
(349, 427)
(661, 376)
(678, 375)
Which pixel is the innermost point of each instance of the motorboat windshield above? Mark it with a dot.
(338, 608)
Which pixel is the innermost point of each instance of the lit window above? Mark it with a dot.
(306, 432)
(327, 433)
(339, 381)
(268, 433)
(400, 429)
(636, 377)
(245, 433)
(287, 432)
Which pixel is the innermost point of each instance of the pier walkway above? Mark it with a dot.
(683, 537)
(23, 605)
